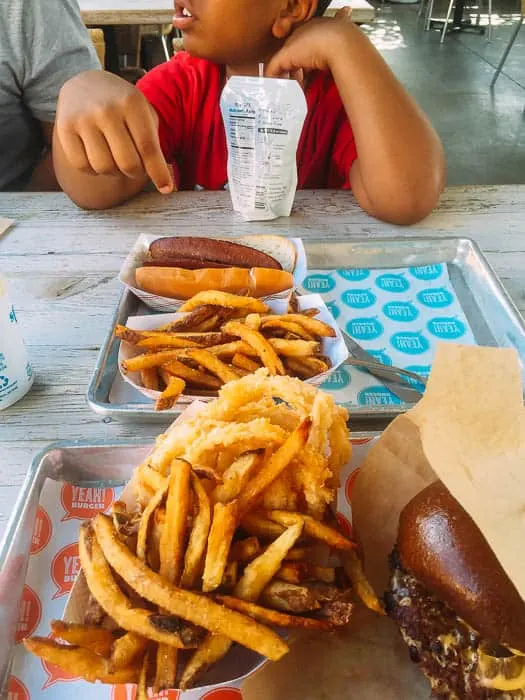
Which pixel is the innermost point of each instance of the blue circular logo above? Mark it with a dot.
(356, 275)
(410, 343)
(446, 327)
(423, 370)
(333, 308)
(364, 328)
(358, 298)
(403, 311)
(392, 283)
(319, 283)
(339, 379)
(426, 272)
(377, 396)
(380, 356)
(435, 298)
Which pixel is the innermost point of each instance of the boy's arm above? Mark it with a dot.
(400, 170)
(106, 144)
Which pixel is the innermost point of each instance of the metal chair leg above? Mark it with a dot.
(165, 47)
(447, 19)
(489, 32)
(507, 50)
(430, 9)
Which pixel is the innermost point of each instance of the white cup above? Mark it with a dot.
(16, 372)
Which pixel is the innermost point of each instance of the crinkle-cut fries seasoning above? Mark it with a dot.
(223, 337)
(230, 537)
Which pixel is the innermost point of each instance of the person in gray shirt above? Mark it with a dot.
(43, 43)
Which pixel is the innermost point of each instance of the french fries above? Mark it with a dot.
(258, 342)
(192, 607)
(92, 637)
(273, 617)
(225, 299)
(258, 574)
(221, 534)
(214, 648)
(85, 663)
(193, 559)
(199, 560)
(219, 338)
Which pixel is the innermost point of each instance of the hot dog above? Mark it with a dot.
(207, 250)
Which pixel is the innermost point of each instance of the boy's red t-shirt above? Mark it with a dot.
(185, 92)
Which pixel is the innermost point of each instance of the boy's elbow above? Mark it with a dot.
(410, 202)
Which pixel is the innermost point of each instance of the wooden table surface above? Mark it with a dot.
(61, 265)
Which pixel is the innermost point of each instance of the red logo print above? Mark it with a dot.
(41, 532)
(223, 694)
(29, 614)
(361, 441)
(64, 569)
(129, 692)
(350, 483)
(55, 674)
(16, 690)
(344, 525)
(83, 503)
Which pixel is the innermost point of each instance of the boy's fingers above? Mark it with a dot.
(144, 133)
(99, 153)
(124, 151)
(279, 66)
(73, 148)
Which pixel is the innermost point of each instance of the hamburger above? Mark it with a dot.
(459, 613)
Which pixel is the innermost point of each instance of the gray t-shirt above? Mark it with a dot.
(43, 43)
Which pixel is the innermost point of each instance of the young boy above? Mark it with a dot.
(363, 131)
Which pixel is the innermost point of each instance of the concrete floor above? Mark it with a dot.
(483, 130)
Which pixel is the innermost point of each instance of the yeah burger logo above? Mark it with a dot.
(64, 569)
(129, 692)
(29, 614)
(41, 532)
(16, 690)
(82, 503)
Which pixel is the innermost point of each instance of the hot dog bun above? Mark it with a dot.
(197, 251)
(179, 283)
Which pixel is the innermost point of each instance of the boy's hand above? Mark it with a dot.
(312, 46)
(107, 127)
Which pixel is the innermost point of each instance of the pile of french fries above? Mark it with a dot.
(230, 535)
(221, 338)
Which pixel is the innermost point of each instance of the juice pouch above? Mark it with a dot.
(263, 118)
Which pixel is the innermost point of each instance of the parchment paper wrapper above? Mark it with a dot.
(5, 224)
(139, 253)
(334, 348)
(468, 431)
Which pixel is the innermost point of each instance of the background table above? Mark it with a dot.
(61, 264)
(107, 12)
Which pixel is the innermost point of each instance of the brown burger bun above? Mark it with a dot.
(441, 546)
(179, 283)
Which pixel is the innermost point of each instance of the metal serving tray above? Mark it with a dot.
(491, 314)
(89, 465)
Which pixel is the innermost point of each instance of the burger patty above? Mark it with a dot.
(445, 648)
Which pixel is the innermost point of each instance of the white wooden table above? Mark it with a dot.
(61, 264)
